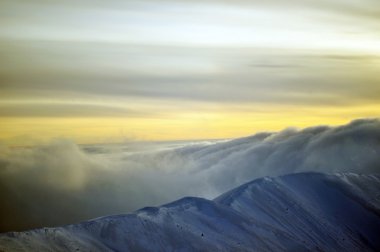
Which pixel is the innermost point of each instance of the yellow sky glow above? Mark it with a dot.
(174, 70)
(179, 126)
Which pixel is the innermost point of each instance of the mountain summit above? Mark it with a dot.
(298, 212)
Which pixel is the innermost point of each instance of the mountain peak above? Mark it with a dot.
(305, 211)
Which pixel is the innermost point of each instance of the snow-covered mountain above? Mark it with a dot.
(298, 212)
(84, 182)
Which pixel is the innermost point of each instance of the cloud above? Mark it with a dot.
(68, 57)
(62, 183)
(67, 109)
(161, 73)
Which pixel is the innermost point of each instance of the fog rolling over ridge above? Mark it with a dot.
(62, 183)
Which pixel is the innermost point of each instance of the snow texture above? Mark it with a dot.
(297, 212)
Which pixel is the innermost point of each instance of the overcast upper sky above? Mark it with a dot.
(98, 71)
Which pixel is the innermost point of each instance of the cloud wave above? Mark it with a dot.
(63, 183)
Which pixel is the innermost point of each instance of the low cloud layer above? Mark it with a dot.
(63, 183)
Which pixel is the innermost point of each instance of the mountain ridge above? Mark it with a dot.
(303, 212)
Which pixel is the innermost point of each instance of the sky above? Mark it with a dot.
(110, 71)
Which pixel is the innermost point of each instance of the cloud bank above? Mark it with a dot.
(62, 183)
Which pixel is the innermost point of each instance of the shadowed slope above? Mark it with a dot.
(306, 211)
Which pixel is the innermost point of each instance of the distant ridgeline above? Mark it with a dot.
(298, 212)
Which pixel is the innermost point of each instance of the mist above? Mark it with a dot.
(62, 182)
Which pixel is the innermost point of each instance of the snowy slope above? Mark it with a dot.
(106, 179)
(298, 212)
